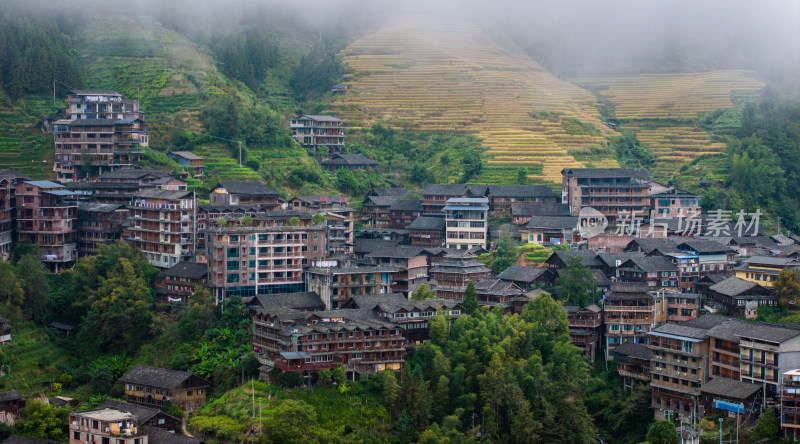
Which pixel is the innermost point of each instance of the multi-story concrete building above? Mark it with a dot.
(162, 225)
(99, 224)
(679, 367)
(9, 180)
(101, 105)
(105, 425)
(315, 132)
(47, 215)
(181, 280)
(267, 257)
(411, 264)
(764, 270)
(336, 285)
(630, 312)
(88, 147)
(339, 220)
(611, 191)
(790, 404)
(682, 306)
(766, 352)
(299, 341)
(121, 186)
(466, 222)
(657, 272)
(674, 202)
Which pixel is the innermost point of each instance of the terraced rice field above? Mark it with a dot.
(23, 146)
(663, 108)
(449, 76)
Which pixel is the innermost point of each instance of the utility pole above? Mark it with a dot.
(720, 431)
(54, 92)
(240, 154)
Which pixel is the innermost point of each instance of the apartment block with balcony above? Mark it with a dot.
(101, 105)
(88, 147)
(764, 270)
(121, 186)
(411, 264)
(339, 220)
(679, 367)
(357, 339)
(765, 353)
(240, 193)
(162, 225)
(682, 306)
(452, 275)
(466, 222)
(267, 257)
(315, 132)
(47, 215)
(611, 191)
(105, 425)
(9, 180)
(674, 202)
(157, 387)
(634, 363)
(630, 312)
(724, 351)
(99, 224)
(336, 285)
(657, 272)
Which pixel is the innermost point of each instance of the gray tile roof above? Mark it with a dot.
(380, 201)
(320, 118)
(610, 259)
(606, 172)
(12, 175)
(10, 395)
(388, 192)
(247, 188)
(518, 273)
(704, 246)
(427, 223)
(680, 330)
(633, 350)
(188, 155)
(521, 191)
(648, 246)
(156, 377)
(143, 414)
(406, 205)
(553, 222)
(729, 388)
(369, 245)
(159, 436)
(729, 329)
(349, 159)
(298, 301)
(523, 209)
(153, 193)
(132, 173)
(399, 252)
(98, 207)
(588, 257)
(651, 264)
(189, 270)
(733, 286)
(454, 189)
(767, 332)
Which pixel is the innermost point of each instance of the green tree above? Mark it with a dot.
(787, 287)
(251, 365)
(441, 398)
(768, 425)
(631, 153)
(576, 285)
(11, 292)
(522, 176)
(506, 254)
(40, 420)
(294, 221)
(338, 374)
(291, 421)
(317, 218)
(391, 389)
(221, 221)
(33, 280)
(472, 164)
(662, 432)
(438, 330)
(247, 221)
(423, 292)
(470, 303)
(324, 377)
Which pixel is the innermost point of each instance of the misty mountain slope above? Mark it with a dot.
(23, 146)
(663, 110)
(421, 73)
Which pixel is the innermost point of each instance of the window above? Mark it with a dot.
(233, 278)
(76, 435)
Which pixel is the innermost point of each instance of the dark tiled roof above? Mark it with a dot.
(681, 330)
(297, 301)
(93, 92)
(729, 388)
(769, 333)
(426, 223)
(633, 350)
(770, 260)
(380, 201)
(733, 286)
(625, 289)
(188, 155)
(606, 172)
(704, 246)
(648, 246)
(143, 414)
(610, 259)
(349, 159)
(370, 301)
(249, 188)
(12, 175)
(712, 279)
(518, 273)
(524, 209)
(651, 263)
(589, 258)
(155, 376)
(370, 245)
(728, 330)
(521, 191)
(98, 207)
(601, 278)
(159, 436)
(10, 395)
(152, 193)
(132, 173)
(553, 222)
(320, 118)
(399, 251)
(189, 270)
(454, 189)
(406, 205)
